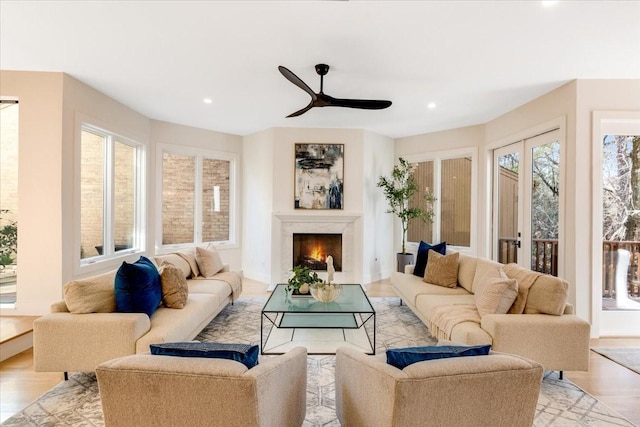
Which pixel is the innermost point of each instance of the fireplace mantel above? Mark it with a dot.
(316, 217)
(284, 224)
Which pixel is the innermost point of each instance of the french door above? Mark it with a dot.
(526, 202)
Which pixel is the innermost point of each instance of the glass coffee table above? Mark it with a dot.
(321, 327)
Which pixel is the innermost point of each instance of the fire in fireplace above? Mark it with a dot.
(311, 250)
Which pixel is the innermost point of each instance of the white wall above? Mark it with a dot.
(269, 158)
(40, 210)
(378, 253)
(258, 166)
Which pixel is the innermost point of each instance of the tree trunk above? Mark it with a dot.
(632, 224)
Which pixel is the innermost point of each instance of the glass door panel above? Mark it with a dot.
(506, 208)
(545, 203)
(526, 203)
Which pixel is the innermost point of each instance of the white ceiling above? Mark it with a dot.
(476, 60)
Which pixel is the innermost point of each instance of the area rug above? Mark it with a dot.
(628, 357)
(76, 402)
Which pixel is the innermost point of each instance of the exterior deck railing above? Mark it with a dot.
(544, 258)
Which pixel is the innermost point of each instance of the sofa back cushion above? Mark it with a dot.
(91, 295)
(538, 293)
(548, 295)
(466, 270)
(177, 261)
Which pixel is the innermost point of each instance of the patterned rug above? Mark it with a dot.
(76, 402)
(628, 357)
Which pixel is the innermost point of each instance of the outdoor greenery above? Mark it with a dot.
(621, 188)
(398, 189)
(8, 240)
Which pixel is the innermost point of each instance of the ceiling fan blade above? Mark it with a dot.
(302, 111)
(297, 81)
(366, 104)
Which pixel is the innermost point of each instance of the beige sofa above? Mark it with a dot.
(145, 390)
(493, 390)
(540, 325)
(83, 330)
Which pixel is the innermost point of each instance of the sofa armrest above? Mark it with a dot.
(408, 269)
(559, 343)
(66, 342)
(281, 384)
(360, 378)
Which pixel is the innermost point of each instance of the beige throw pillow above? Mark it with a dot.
(495, 295)
(94, 294)
(174, 286)
(442, 270)
(209, 261)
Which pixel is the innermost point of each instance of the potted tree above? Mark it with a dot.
(398, 189)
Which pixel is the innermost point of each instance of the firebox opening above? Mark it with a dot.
(311, 250)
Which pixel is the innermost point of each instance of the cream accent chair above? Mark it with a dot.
(494, 390)
(146, 390)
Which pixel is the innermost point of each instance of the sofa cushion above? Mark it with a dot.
(442, 270)
(466, 271)
(548, 295)
(244, 353)
(174, 286)
(422, 256)
(190, 256)
(175, 260)
(403, 357)
(208, 260)
(137, 287)
(495, 293)
(91, 295)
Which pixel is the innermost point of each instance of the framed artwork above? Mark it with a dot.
(319, 176)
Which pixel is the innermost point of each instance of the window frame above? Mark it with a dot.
(437, 157)
(199, 154)
(139, 229)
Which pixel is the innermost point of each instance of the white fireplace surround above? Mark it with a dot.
(284, 225)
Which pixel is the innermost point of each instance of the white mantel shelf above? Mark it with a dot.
(317, 217)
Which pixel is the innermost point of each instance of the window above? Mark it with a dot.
(111, 205)
(196, 195)
(8, 201)
(450, 181)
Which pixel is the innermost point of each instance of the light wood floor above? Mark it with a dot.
(612, 384)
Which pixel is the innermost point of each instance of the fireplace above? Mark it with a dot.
(311, 250)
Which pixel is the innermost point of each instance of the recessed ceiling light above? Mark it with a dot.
(549, 3)
(207, 100)
(431, 105)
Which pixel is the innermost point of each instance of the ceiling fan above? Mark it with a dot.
(321, 100)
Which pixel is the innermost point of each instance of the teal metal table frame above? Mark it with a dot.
(351, 312)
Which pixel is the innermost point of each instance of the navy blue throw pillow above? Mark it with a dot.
(403, 357)
(243, 353)
(423, 256)
(137, 287)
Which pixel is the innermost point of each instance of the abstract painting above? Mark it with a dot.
(319, 176)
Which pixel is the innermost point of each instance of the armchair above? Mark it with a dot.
(146, 390)
(495, 390)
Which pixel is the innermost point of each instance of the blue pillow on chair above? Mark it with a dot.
(422, 256)
(244, 353)
(403, 357)
(137, 287)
